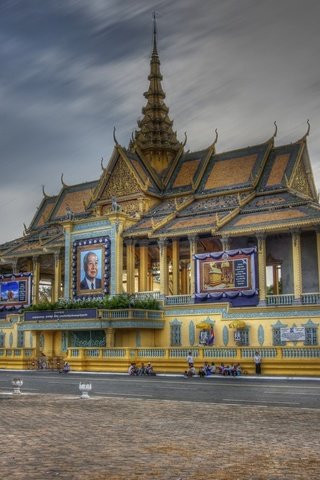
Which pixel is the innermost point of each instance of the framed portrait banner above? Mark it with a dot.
(227, 276)
(15, 291)
(91, 267)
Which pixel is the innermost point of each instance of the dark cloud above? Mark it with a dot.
(72, 69)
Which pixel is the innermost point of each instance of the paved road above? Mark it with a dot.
(231, 391)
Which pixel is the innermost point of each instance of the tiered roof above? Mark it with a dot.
(169, 193)
(155, 140)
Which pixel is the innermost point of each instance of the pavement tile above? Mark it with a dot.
(47, 437)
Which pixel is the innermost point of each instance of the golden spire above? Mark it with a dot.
(155, 138)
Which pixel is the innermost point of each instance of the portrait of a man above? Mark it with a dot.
(91, 276)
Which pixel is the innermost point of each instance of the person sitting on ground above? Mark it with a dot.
(221, 369)
(132, 369)
(233, 370)
(66, 367)
(142, 370)
(238, 369)
(205, 370)
(149, 369)
(211, 369)
(191, 372)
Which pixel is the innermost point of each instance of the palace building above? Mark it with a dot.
(227, 243)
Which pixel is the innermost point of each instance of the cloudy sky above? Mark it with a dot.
(72, 69)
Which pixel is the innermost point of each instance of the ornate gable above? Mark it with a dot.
(121, 182)
(300, 181)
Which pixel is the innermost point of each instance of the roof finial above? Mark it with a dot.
(216, 138)
(308, 131)
(25, 229)
(275, 129)
(44, 193)
(185, 139)
(303, 139)
(102, 167)
(114, 136)
(154, 52)
(63, 184)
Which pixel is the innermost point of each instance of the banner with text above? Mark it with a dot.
(292, 334)
(227, 276)
(15, 291)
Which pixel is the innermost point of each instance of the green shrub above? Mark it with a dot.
(107, 302)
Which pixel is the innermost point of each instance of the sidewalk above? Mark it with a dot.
(177, 375)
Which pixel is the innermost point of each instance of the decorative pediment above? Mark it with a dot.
(121, 182)
(279, 324)
(310, 324)
(300, 181)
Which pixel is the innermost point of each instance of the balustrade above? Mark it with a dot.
(280, 299)
(114, 352)
(178, 299)
(147, 295)
(310, 298)
(220, 353)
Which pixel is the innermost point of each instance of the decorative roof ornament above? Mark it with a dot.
(308, 130)
(63, 183)
(25, 230)
(304, 138)
(102, 166)
(69, 213)
(216, 138)
(131, 143)
(155, 138)
(275, 129)
(114, 137)
(185, 140)
(44, 193)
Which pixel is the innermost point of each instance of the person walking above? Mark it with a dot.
(257, 361)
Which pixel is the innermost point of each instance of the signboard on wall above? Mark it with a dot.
(292, 334)
(15, 290)
(58, 315)
(227, 276)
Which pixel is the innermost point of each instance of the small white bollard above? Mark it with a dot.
(17, 384)
(85, 388)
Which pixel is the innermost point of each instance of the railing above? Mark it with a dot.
(310, 298)
(16, 354)
(220, 353)
(92, 352)
(146, 295)
(182, 352)
(74, 352)
(131, 314)
(287, 299)
(301, 352)
(178, 299)
(264, 352)
(151, 352)
(114, 352)
(199, 353)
